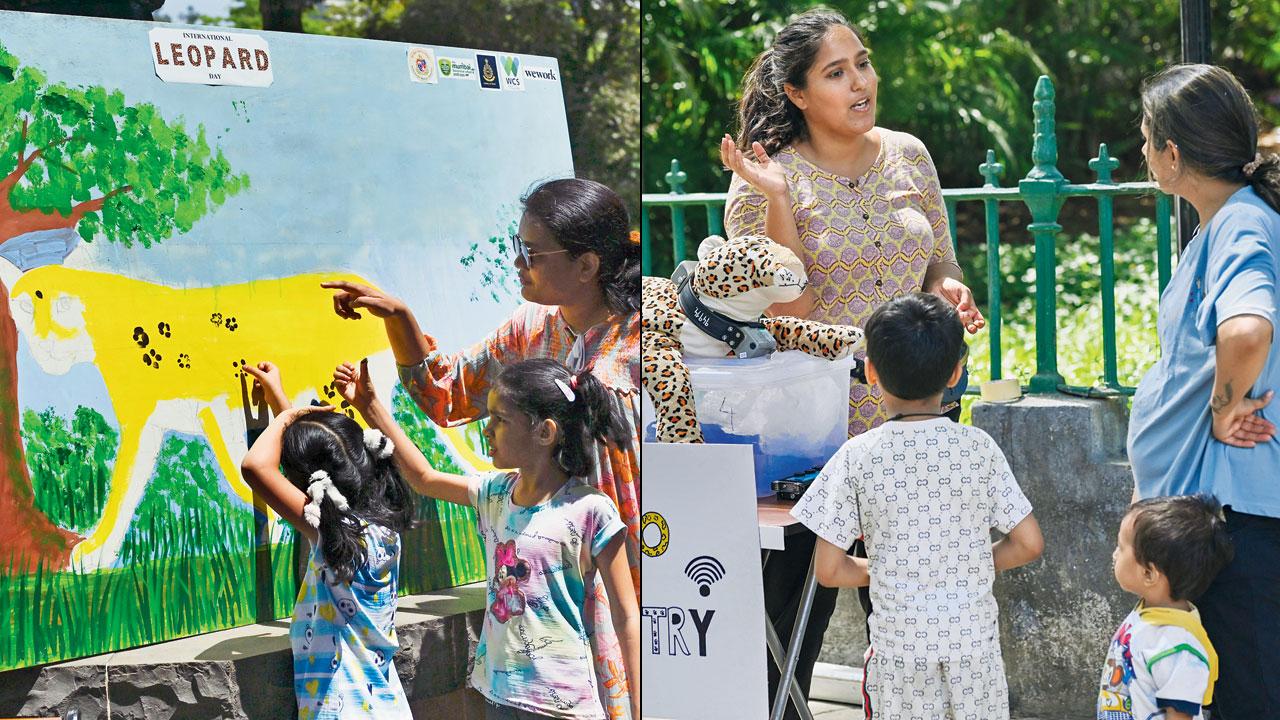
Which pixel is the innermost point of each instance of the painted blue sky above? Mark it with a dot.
(352, 166)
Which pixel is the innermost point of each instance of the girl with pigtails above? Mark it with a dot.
(548, 535)
(340, 489)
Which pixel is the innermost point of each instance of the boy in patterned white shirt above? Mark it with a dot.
(923, 492)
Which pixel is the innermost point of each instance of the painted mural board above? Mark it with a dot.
(157, 232)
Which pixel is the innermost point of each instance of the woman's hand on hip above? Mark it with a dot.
(958, 294)
(1239, 423)
(763, 173)
(352, 296)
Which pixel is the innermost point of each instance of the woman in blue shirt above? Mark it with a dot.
(1201, 419)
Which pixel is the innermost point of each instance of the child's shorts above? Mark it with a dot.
(971, 688)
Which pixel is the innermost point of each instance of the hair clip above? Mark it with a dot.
(320, 486)
(564, 388)
(378, 444)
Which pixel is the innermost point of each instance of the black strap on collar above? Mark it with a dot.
(714, 324)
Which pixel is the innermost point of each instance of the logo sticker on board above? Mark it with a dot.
(488, 72)
(511, 73)
(456, 68)
(422, 65)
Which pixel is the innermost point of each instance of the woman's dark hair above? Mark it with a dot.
(915, 341)
(765, 114)
(1206, 112)
(374, 490)
(585, 216)
(530, 386)
(1185, 538)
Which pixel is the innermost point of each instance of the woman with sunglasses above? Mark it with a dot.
(579, 269)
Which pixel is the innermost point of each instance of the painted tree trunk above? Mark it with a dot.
(27, 538)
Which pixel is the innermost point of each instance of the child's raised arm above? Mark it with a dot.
(261, 470)
(834, 567)
(1023, 544)
(357, 388)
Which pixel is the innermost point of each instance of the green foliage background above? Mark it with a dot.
(956, 73)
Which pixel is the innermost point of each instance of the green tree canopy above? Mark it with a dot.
(85, 158)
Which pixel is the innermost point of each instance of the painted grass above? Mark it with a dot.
(188, 559)
(455, 525)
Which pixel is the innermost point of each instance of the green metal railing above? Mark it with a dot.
(1043, 190)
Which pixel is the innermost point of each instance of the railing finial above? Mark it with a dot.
(675, 179)
(1103, 165)
(991, 170)
(1045, 151)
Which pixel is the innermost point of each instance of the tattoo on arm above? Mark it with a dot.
(1221, 400)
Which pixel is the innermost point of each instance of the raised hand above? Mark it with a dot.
(355, 385)
(761, 172)
(268, 385)
(352, 296)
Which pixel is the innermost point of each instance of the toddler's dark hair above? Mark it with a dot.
(374, 490)
(531, 387)
(915, 341)
(1185, 538)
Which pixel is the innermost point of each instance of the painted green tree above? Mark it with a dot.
(70, 464)
(83, 159)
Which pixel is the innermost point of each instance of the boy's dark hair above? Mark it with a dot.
(374, 490)
(915, 341)
(1185, 538)
(593, 414)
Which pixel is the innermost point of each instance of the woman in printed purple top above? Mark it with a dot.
(860, 204)
(547, 532)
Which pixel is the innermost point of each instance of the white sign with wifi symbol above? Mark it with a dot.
(705, 571)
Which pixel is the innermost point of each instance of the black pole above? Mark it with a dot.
(1195, 49)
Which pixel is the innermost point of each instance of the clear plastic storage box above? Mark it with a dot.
(792, 407)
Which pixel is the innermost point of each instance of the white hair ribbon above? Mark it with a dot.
(564, 388)
(379, 445)
(320, 486)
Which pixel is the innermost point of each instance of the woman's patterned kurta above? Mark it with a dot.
(454, 389)
(867, 240)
